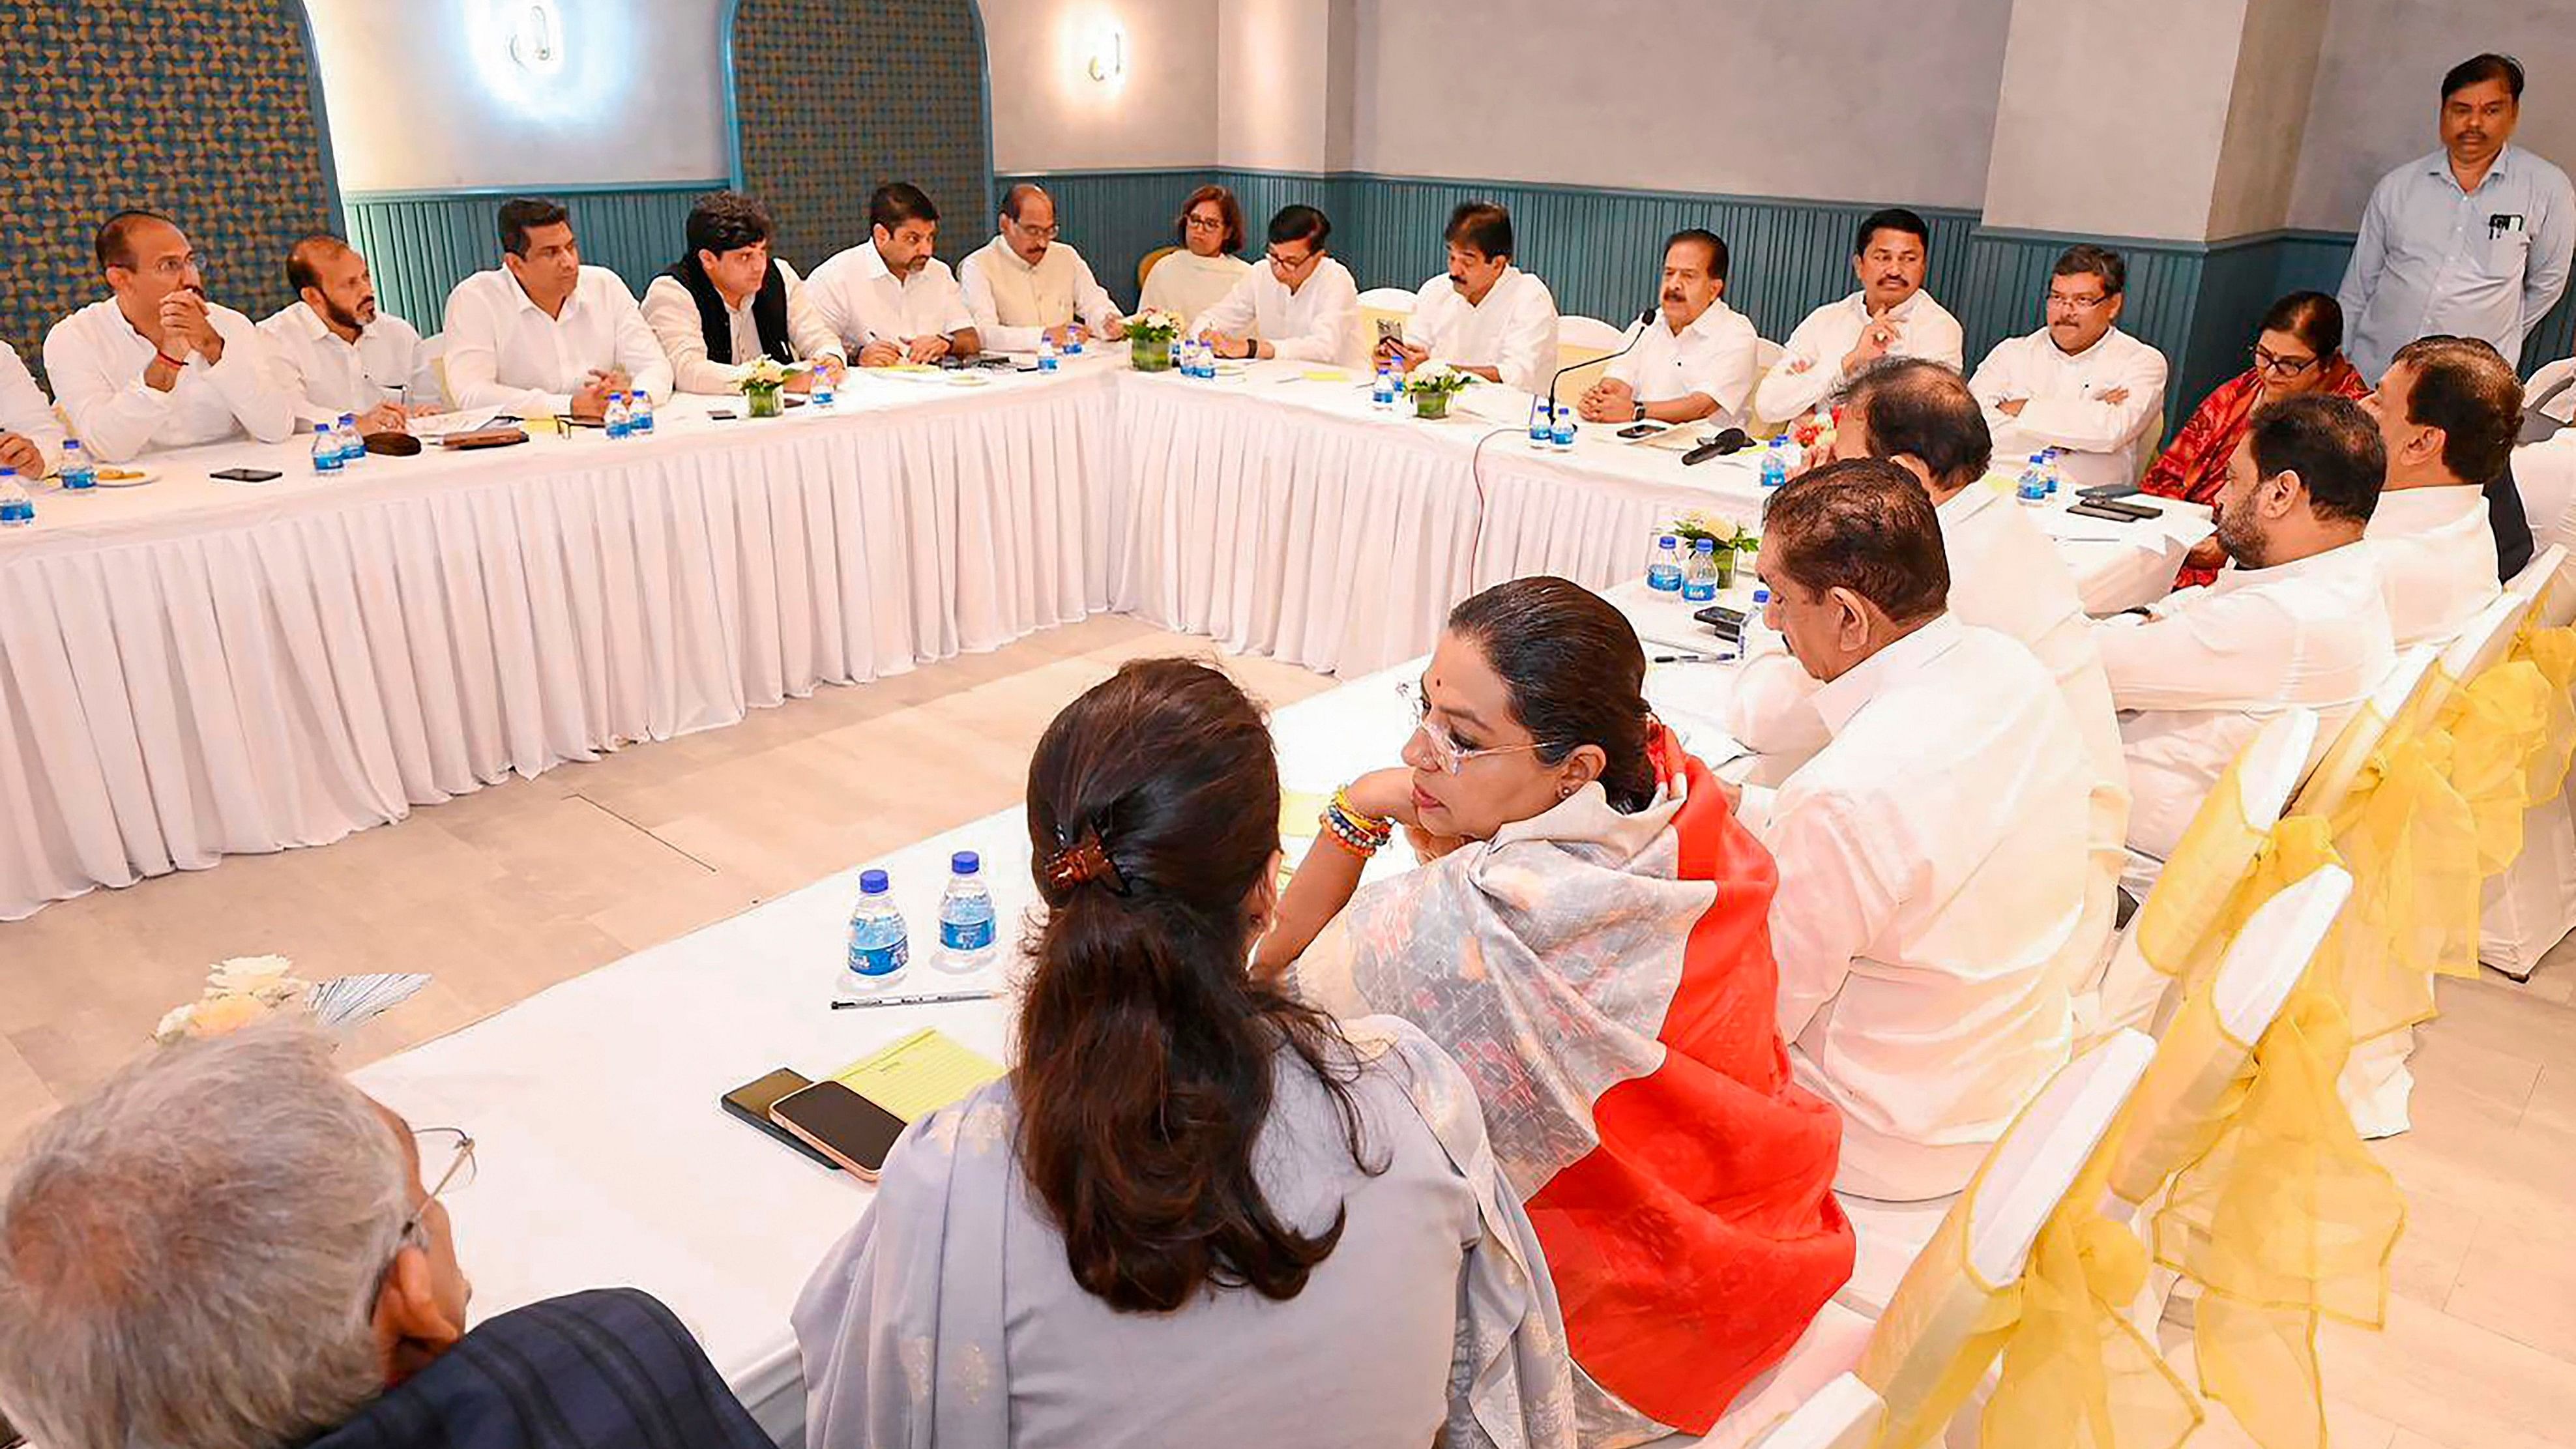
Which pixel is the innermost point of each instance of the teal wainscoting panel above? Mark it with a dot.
(420, 245)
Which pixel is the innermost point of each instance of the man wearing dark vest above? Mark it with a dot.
(729, 303)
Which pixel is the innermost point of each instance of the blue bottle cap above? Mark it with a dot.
(1703, 545)
(872, 882)
(1669, 541)
(965, 862)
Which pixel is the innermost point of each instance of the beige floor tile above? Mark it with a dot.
(24, 1098)
(2451, 1380)
(2518, 1279)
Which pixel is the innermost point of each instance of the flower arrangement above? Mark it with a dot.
(1731, 539)
(1150, 335)
(1431, 386)
(244, 989)
(761, 383)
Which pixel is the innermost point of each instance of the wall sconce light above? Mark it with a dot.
(1108, 54)
(537, 39)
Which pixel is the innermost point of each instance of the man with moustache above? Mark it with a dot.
(2078, 384)
(888, 298)
(1890, 316)
(1698, 363)
(1484, 315)
(1024, 286)
(2471, 241)
(542, 335)
(341, 355)
(157, 365)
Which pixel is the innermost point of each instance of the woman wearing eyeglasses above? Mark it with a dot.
(2299, 351)
(1196, 277)
(1588, 937)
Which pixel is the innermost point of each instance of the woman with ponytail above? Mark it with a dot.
(1589, 937)
(1197, 1211)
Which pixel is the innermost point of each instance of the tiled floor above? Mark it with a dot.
(509, 890)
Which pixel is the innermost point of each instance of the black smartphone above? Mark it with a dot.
(1641, 430)
(246, 475)
(752, 1100)
(723, 415)
(1725, 622)
(2101, 491)
(2111, 511)
(844, 1126)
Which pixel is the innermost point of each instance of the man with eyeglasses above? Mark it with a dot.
(157, 365)
(1298, 304)
(232, 1213)
(1024, 286)
(2079, 383)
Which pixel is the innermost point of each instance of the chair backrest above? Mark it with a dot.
(434, 347)
(1766, 355)
(2272, 952)
(2334, 776)
(1844, 1414)
(2536, 575)
(1145, 264)
(1388, 299)
(1587, 332)
(2028, 1173)
(2485, 638)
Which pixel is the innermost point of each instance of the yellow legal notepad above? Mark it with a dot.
(919, 1074)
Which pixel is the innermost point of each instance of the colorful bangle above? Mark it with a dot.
(1363, 835)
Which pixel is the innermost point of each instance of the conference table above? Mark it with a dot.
(192, 668)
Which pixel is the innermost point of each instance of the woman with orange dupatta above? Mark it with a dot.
(2299, 350)
(1588, 936)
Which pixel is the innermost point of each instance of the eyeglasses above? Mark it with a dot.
(1292, 264)
(2279, 366)
(2080, 304)
(1446, 752)
(457, 1149)
(1050, 232)
(1197, 222)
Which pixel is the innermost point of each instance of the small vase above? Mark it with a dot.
(1150, 354)
(1726, 568)
(1431, 404)
(764, 401)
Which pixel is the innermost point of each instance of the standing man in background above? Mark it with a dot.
(338, 352)
(1890, 316)
(1025, 285)
(2471, 241)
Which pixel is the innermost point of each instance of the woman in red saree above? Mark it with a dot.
(2299, 350)
(1589, 937)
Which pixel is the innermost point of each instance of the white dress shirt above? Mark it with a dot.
(2062, 407)
(389, 363)
(97, 360)
(1186, 284)
(860, 300)
(2437, 559)
(2197, 678)
(2545, 475)
(1015, 304)
(1512, 331)
(672, 312)
(503, 351)
(25, 411)
(2432, 258)
(1713, 357)
(1318, 322)
(1923, 329)
(1929, 925)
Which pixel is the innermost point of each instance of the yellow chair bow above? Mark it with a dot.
(2076, 1372)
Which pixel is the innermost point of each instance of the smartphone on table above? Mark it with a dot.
(246, 475)
(751, 1102)
(842, 1125)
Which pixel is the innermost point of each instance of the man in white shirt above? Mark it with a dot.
(2079, 384)
(1484, 316)
(1298, 304)
(1698, 363)
(1891, 315)
(2447, 410)
(542, 335)
(729, 303)
(1024, 286)
(339, 353)
(2297, 622)
(31, 437)
(888, 297)
(1931, 920)
(157, 365)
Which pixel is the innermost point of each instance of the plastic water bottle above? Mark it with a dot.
(1204, 353)
(78, 471)
(1382, 392)
(353, 448)
(1542, 425)
(1761, 599)
(2055, 470)
(639, 413)
(1073, 344)
(619, 419)
(878, 948)
(966, 926)
(1775, 469)
(1664, 566)
(16, 508)
(1699, 580)
(1046, 354)
(2033, 488)
(1563, 436)
(821, 394)
(326, 451)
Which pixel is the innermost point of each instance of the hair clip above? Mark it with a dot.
(1085, 860)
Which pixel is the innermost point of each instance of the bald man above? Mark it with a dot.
(339, 353)
(1024, 285)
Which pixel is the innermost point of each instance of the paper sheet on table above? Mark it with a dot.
(919, 1074)
(429, 427)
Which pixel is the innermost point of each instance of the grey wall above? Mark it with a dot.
(1050, 115)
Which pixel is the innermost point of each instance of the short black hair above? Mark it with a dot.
(2465, 387)
(1484, 225)
(304, 259)
(1863, 525)
(725, 221)
(1020, 192)
(2087, 260)
(521, 215)
(114, 244)
(1703, 236)
(897, 202)
(2487, 67)
(1891, 218)
(2312, 317)
(1916, 406)
(1303, 223)
(2331, 443)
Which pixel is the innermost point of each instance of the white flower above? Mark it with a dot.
(174, 1024)
(247, 973)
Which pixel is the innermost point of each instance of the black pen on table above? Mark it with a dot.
(1692, 659)
(928, 998)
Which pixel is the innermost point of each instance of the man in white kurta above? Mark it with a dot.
(1024, 286)
(342, 354)
(1931, 921)
(1484, 315)
(888, 299)
(1890, 316)
(1299, 303)
(2078, 384)
(1696, 360)
(2446, 410)
(31, 437)
(543, 335)
(2297, 621)
(157, 365)
(729, 303)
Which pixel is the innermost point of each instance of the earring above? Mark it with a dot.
(1565, 792)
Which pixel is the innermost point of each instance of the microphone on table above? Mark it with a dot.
(1636, 334)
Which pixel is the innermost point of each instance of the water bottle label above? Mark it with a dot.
(972, 935)
(880, 960)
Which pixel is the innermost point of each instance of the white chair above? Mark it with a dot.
(2483, 642)
(2340, 770)
(1589, 333)
(2539, 574)
(2267, 771)
(2531, 906)
(434, 347)
(1388, 299)
(1766, 355)
(1845, 1414)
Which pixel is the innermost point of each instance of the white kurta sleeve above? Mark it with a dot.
(1091, 300)
(806, 330)
(113, 415)
(1801, 378)
(474, 362)
(1327, 336)
(673, 315)
(2216, 654)
(250, 381)
(1835, 898)
(2088, 425)
(639, 352)
(1528, 355)
(24, 410)
(1236, 314)
(1771, 708)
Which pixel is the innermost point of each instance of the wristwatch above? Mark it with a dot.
(1641, 414)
